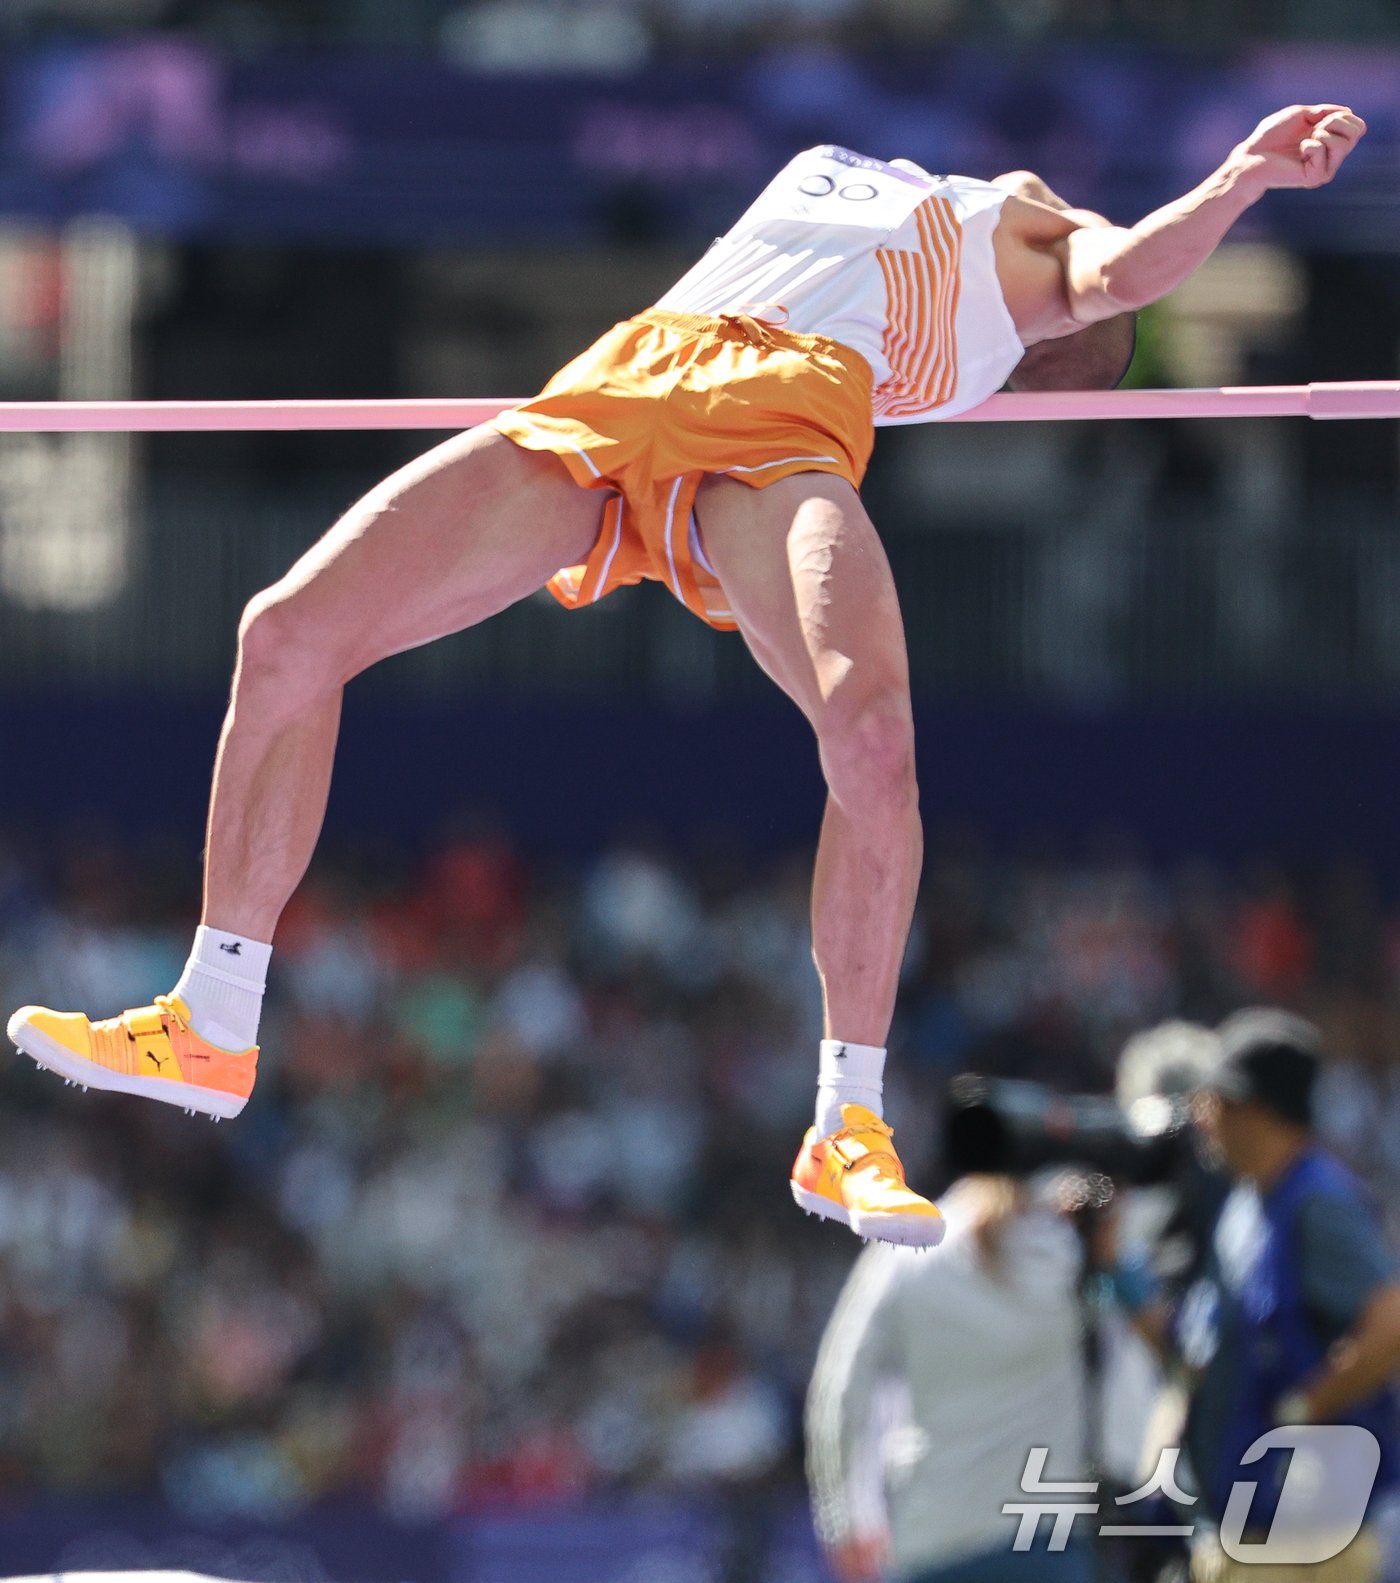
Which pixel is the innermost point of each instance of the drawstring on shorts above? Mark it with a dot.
(758, 326)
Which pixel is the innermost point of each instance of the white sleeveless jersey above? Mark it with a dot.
(884, 258)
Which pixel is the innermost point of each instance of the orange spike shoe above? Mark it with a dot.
(151, 1051)
(854, 1176)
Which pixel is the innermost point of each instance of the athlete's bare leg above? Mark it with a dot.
(810, 587)
(452, 538)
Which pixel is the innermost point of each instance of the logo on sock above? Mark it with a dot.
(840, 1052)
(236, 949)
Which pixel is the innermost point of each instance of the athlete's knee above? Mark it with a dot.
(867, 748)
(283, 661)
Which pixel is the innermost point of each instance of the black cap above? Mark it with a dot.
(1268, 1058)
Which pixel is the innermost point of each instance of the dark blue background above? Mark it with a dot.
(1223, 780)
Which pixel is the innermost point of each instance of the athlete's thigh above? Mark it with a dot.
(458, 534)
(809, 584)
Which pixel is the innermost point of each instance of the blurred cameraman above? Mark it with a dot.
(1293, 1319)
(983, 1342)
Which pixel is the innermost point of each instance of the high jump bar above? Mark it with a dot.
(1354, 399)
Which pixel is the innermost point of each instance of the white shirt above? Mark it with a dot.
(989, 1364)
(884, 258)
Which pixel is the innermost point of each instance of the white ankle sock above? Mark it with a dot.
(848, 1074)
(223, 986)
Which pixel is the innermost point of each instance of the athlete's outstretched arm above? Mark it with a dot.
(1112, 269)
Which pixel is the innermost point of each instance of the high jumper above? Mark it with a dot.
(715, 443)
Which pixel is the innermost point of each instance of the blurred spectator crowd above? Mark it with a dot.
(619, 34)
(506, 1220)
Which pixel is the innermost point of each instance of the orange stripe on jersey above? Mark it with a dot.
(900, 306)
(953, 232)
(943, 239)
(925, 375)
(930, 381)
(921, 296)
(909, 329)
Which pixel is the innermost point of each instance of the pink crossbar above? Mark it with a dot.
(1356, 399)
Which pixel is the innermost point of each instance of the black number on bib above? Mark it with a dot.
(818, 186)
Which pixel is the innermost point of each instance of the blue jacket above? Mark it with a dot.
(1247, 1326)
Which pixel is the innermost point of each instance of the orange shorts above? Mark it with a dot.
(666, 398)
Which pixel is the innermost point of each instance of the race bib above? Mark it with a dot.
(833, 186)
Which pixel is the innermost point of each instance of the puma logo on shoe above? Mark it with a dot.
(236, 949)
(149, 1051)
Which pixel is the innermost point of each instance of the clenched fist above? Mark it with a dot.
(1303, 146)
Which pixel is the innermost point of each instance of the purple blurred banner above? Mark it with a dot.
(359, 149)
(331, 1543)
(761, 1540)
(645, 1542)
